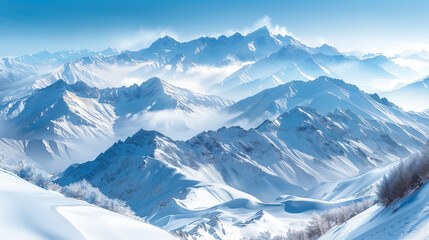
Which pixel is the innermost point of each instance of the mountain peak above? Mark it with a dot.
(338, 82)
(145, 138)
(327, 50)
(43, 53)
(263, 28)
(58, 84)
(155, 81)
(236, 35)
(147, 134)
(290, 51)
(302, 111)
(165, 42)
(110, 51)
(154, 87)
(261, 31)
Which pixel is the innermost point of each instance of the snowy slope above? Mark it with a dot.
(295, 63)
(50, 155)
(12, 72)
(406, 219)
(402, 72)
(95, 71)
(324, 94)
(412, 97)
(325, 49)
(29, 212)
(58, 112)
(291, 60)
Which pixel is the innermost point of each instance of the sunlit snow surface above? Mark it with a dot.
(407, 218)
(29, 212)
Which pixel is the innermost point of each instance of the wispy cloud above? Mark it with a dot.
(263, 21)
(274, 28)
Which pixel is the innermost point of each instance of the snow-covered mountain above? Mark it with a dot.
(126, 69)
(234, 67)
(402, 72)
(300, 149)
(324, 94)
(325, 49)
(58, 58)
(19, 76)
(58, 112)
(95, 71)
(205, 61)
(294, 63)
(30, 212)
(290, 63)
(421, 54)
(214, 51)
(12, 71)
(414, 96)
(64, 113)
(50, 155)
(327, 140)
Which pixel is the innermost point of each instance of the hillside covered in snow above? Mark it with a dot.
(30, 212)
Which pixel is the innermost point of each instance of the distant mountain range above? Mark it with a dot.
(234, 67)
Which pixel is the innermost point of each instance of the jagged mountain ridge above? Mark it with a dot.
(324, 94)
(209, 50)
(61, 57)
(294, 63)
(97, 108)
(413, 96)
(69, 114)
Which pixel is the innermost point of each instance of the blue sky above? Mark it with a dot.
(370, 26)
